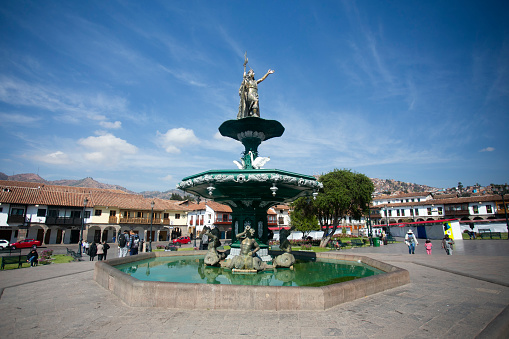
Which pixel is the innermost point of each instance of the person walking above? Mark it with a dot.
(106, 247)
(92, 251)
(123, 242)
(411, 241)
(134, 244)
(100, 251)
(428, 246)
(447, 244)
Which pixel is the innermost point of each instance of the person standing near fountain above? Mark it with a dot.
(248, 92)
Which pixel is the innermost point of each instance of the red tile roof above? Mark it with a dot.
(26, 193)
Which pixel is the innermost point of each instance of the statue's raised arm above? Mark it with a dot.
(248, 92)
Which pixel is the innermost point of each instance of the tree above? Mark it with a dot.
(303, 217)
(344, 193)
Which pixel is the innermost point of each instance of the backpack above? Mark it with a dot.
(122, 240)
(136, 243)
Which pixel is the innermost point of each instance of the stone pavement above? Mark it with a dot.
(454, 296)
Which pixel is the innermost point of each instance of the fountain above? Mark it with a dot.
(250, 191)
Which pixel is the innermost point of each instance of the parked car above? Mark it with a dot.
(27, 243)
(4, 243)
(182, 240)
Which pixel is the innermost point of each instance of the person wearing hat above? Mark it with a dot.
(411, 241)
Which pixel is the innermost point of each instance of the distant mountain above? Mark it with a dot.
(391, 186)
(88, 182)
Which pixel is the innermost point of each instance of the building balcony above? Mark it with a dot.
(457, 213)
(70, 221)
(16, 219)
(113, 219)
(140, 221)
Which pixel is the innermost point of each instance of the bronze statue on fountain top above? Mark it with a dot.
(248, 92)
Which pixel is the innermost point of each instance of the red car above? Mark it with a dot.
(182, 240)
(27, 243)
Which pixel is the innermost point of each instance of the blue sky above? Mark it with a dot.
(133, 92)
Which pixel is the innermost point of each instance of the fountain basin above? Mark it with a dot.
(139, 293)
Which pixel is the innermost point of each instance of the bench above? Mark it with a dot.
(390, 239)
(13, 259)
(172, 247)
(486, 231)
(10, 250)
(357, 242)
(332, 244)
(74, 255)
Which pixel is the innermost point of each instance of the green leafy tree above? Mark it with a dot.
(344, 193)
(303, 217)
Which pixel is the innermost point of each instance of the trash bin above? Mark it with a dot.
(376, 242)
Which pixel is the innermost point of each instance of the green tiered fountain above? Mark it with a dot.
(250, 190)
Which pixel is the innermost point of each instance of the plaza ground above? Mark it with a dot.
(455, 296)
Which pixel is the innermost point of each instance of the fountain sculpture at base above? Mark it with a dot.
(213, 257)
(247, 260)
(286, 259)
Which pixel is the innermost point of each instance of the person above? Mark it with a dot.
(447, 244)
(106, 247)
(32, 257)
(92, 251)
(205, 239)
(134, 243)
(100, 251)
(428, 246)
(86, 246)
(123, 240)
(248, 92)
(411, 241)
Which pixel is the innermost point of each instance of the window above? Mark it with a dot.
(41, 212)
(98, 213)
(397, 213)
(139, 215)
(402, 213)
(416, 211)
(1, 209)
(53, 213)
(429, 210)
(488, 209)
(390, 213)
(87, 214)
(17, 211)
(167, 216)
(440, 211)
(75, 214)
(113, 213)
(177, 215)
(476, 209)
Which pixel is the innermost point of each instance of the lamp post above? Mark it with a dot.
(150, 235)
(502, 190)
(370, 229)
(85, 202)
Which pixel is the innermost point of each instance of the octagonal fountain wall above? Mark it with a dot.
(139, 293)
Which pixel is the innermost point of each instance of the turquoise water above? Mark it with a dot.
(191, 269)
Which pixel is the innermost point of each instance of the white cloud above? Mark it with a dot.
(110, 125)
(176, 138)
(487, 149)
(107, 149)
(56, 158)
(18, 118)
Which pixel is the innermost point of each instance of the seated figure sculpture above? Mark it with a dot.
(286, 259)
(247, 260)
(213, 257)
